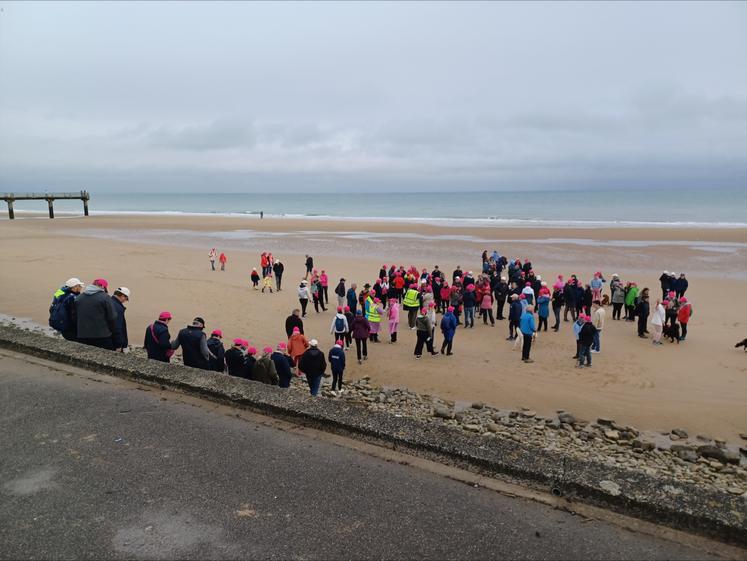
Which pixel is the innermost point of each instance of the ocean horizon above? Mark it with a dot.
(581, 208)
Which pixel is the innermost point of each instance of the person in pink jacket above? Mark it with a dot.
(486, 308)
(324, 282)
(393, 317)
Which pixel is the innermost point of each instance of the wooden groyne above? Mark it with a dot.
(11, 198)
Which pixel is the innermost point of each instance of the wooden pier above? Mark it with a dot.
(10, 198)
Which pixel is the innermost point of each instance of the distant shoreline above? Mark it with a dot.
(488, 222)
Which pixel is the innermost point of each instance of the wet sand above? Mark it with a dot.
(700, 385)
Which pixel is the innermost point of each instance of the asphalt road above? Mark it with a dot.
(95, 467)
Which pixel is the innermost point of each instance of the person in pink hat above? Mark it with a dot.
(234, 358)
(158, 340)
(217, 361)
(393, 319)
(264, 370)
(283, 365)
(97, 317)
(336, 357)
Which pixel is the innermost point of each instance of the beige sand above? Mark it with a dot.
(700, 385)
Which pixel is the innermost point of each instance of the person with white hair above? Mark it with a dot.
(120, 341)
(313, 365)
(61, 316)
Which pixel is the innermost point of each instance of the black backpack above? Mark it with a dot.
(339, 325)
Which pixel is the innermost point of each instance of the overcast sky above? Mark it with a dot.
(293, 96)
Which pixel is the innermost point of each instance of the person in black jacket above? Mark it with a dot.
(234, 358)
(500, 290)
(293, 320)
(158, 340)
(119, 333)
(96, 316)
(665, 280)
(585, 340)
(278, 268)
(309, 266)
(340, 292)
(569, 296)
(680, 286)
(641, 311)
(283, 365)
(192, 340)
(313, 364)
(337, 362)
(249, 361)
(514, 316)
(558, 299)
(215, 345)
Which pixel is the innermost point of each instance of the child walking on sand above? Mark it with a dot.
(255, 279)
(267, 282)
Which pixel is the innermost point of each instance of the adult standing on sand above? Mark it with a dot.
(193, 341)
(120, 342)
(324, 283)
(352, 297)
(361, 331)
(283, 365)
(683, 315)
(642, 311)
(157, 341)
(618, 296)
(448, 329)
(658, 318)
(234, 358)
(412, 303)
(340, 292)
(211, 256)
(598, 317)
(527, 327)
(278, 268)
(96, 316)
(309, 266)
(424, 334)
(303, 296)
(293, 320)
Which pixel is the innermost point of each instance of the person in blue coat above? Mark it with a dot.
(514, 315)
(526, 324)
(283, 365)
(543, 310)
(336, 358)
(448, 329)
(352, 297)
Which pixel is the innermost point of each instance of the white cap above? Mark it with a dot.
(539, 277)
(313, 342)
(73, 282)
(124, 290)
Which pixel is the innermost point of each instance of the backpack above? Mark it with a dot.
(59, 320)
(339, 325)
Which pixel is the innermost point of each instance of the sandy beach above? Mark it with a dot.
(700, 385)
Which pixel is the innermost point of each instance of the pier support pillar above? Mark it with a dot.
(85, 207)
(51, 207)
(11, 214)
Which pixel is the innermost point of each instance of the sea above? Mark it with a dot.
(698, 208)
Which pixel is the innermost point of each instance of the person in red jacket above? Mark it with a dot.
(683, 316)
(222, 259)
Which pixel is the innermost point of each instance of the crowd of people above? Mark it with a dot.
(503, 290)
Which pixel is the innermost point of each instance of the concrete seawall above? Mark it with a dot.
(664, 501)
